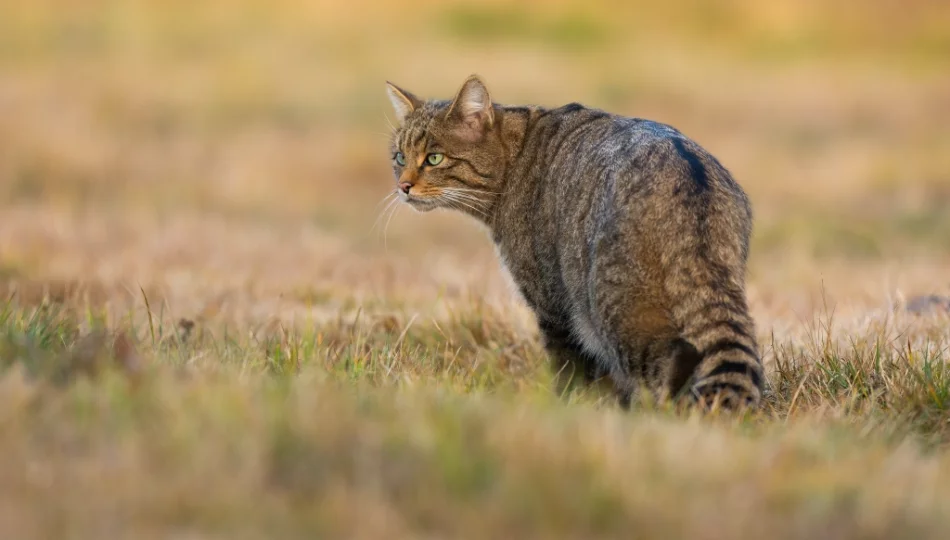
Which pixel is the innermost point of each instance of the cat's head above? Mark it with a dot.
(447, 153)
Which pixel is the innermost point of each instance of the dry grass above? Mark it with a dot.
(200, 181)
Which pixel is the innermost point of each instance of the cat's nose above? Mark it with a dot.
(405, 187)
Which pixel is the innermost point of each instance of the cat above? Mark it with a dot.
(627, 239)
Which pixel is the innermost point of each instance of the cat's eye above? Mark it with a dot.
(434, 159)
(400, 159)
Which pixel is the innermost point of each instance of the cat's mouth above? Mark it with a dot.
(422, 204)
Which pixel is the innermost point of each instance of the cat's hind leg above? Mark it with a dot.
(571, 365)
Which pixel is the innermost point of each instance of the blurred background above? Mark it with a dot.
(204, 177)
(229, 156)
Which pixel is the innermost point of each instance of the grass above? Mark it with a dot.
(450, 429)
(202, 334)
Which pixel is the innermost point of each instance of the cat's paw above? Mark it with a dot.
(713, 394)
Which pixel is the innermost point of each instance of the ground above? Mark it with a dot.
(210, 328)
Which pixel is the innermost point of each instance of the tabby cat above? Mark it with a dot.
(627, 239)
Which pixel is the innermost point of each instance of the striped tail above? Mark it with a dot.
(716, 322)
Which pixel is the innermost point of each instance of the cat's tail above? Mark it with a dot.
(715, 324)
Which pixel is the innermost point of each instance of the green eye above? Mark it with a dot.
(400, 159)
(434, 159)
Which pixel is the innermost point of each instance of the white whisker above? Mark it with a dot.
(392, 193)
(453, 198)
(388, 121)
(485, 191)
(467, 198)
(483, 204)
(392, 214)
(392, 199)
(385, 218)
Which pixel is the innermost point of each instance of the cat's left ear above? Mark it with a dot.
(472, 107)
(403, 102)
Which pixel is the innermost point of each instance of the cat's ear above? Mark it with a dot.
(472, 107)
(403, 102)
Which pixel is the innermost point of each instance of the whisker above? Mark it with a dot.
(482, 209)
(380, 225)
(385, 217)
(451, 198)
(466, 191)
(396, 209)
(388, 195)
(485, 191)
(392, 199)
(468, 197)
(388, 121)
(452, 204)
(473, 209)
(482, 205)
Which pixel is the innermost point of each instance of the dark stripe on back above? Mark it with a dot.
(536, 141)
(517, 110)
(552, 137)
(565, 109)
(697, 170)
(528, 128)
(583, 125)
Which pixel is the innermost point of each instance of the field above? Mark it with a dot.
(211, 329)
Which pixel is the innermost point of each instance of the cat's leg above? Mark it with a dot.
(640, 336)
(649, 363)
(570, 365)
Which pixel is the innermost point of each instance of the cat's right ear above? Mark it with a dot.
(403, 102)
(472, 109)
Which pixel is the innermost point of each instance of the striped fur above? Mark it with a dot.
(627, 239)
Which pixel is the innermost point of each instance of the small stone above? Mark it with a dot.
(185, 326)
(928, 305)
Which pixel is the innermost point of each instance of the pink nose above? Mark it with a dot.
(405, 187)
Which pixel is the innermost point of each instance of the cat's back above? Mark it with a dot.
(578, 126)
(603, 182)
(589, 153)
(582, 145)
(581, 168)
